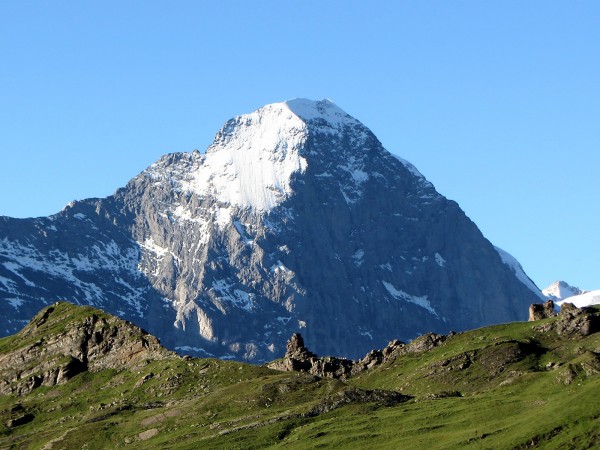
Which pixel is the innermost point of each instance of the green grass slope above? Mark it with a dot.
(507, 386)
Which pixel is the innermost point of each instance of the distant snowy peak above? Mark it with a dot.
(560, 290)
(517, 269)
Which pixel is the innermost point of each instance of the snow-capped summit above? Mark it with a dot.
(560, 290)
(296, 219)
(325, 110)
(250, 163)
(255, 157)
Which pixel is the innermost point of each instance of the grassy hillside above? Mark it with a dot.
(519, 385)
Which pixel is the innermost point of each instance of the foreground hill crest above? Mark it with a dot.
(295, 220)
(63, 341)
(542, 376)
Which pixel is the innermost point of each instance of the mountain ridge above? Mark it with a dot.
(227, 253)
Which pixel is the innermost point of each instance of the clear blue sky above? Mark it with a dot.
(496, 103)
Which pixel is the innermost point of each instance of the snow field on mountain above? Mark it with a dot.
(587, 299)
(253, 166)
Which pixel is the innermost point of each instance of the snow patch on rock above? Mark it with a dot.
(440, 260)
(401, 295)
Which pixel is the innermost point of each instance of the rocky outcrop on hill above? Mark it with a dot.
(356, 395)
(577, 322)
(300, 359)
(63, 341)
(539, 311)
(571, 321)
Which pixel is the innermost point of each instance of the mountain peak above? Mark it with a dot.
(309, 110)
(561, 290)
(275, 121)
(254, 157)
(297, 219)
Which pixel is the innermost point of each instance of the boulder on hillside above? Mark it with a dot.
(299, 359)
(539, 311)
(577, 322)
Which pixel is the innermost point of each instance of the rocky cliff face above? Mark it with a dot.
(63, 341)
(296, 219)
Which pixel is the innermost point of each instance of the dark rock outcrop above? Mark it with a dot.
(426, 342)
(539, 311)
(577, 322)
(300, 359)
(573, 322)
(295, 348)
(20, 419)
